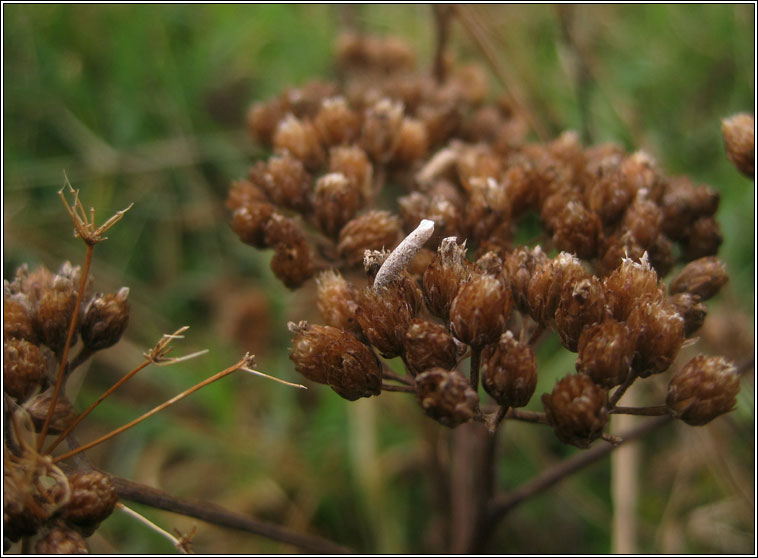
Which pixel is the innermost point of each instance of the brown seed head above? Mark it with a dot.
(703, 240)
(576, 230)
(262, 119)
(519, 266)
(608, 194)
(353, 162)
(93, 498)
(739, 141)
(412, 142)
(54, 313)
(105, 319)
(61, 539)
(336, 123)
(643, 219)
(659, 330)
(683, 203)
(443, 278)
(381, 129)
(703, 277)
(547, 283)
(18, 317)
(24, 367)
(429, 345)
(337, 301)
(640, 171)
(249, 222)
(243, 192)
(509, 371)
(63, 414)
(691, 310)
(301, 140)
(331, 356)
(703, 389)
(480, 310)
(337, 200)
(292, 260)
(374, 230)
(630, 283)
(446, 396)
(605, 351)
(582, 304)
(286, 182)
(576, 409)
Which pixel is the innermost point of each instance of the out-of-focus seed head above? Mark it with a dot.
(683, 203)
(262, 119)
(337, 301)
(630, 283)
(61, 539)
(412, 142)
(385, 314)
(739, 140)
(244, 192)
(691, 310)
(54, 312)
(291, 262)
(608, 195)
(353, 162)
(249, 222)
(703, 240)
(659, 330)
(576, 409)
(301, 140)
(331, 356)
(337, 200)
(18, 318)
(582, 304)
(336, 123)
(641, 172)
(286, 182)
(643, 218)
(547, 283)
(480, 310)
(577, 230)
(429, 345)
(374, 230)
(490, 263)
(63, 414)
(703, 389)
(509, 371)
(446, 396)
(381, 129)
(519, 266)
(703, 277)
(615, 249)
(105, 320)
(605, 352)
(93, 497)
(24, 367)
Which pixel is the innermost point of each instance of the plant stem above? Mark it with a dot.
(212, 513)
(69, 337)
(527, 416)
(630, 377)
(476, 355)
(390, 375)
(442, 19)
(392, 387)
(653, 411)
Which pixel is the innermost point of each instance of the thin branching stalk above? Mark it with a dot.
(162, 532)
(392, 387)
(653, 411)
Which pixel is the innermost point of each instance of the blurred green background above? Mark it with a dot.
(146, 104)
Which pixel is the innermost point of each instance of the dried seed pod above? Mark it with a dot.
(490, 263)
(385, 314)
(659, 330)
(286, 182)
(301, 140)
(703, 277)
(446, 396)
(24, 367)
(582, 304)
(429, 345)
(93, 498)
(704, 239)
(337, 301)
(61, 539)
(703, 389)
(641, 172)
(262, 119)
(18, 318)
(605, 352)
(244, 192)
(249, 222)
(629, 284)
(683, 203)
(54, 312)
(374, 230)
(576, 230)
(336, 123)
(519, 267)
(615, 249)
(443, 278)
(105, 320)
(643, 219)
(331, 356)
(353, 162)
(576, 409)
(292, 259)
(480, 310)
(509, 371)
(691, 310)
(412, 142)
(739, 140)
(547, 283)
(62, 417)
(608, 194)
(381, 129)
(337, 200)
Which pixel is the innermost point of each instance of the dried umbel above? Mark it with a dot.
(703, 389)
(429, 345)
(509, 372)
(328, 355)
(446, 396)
(576, 409)
(605, 354)
(739, 140)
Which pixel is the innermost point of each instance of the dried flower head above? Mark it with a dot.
(659, 330)
(703, 277)
(429, 345)
(480, 310)
(739, 139)
(605, 352)
(446, 396)
(703, 389)
(443, 278)
(576, 409)
(105, 319)
(509, 371)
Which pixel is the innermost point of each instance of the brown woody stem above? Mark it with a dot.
(653, 411)
(476, 356)
(527, 416)
(442, 19)
(392, 387)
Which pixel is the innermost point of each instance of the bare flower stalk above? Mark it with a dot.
(179, 544)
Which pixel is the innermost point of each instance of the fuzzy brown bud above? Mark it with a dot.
(703, 277)
(443, 278)
(243, 192)
(547, 283)
(61, 539)
(519, 266)
(93, 498)
(429, 345)
(353, 162)
(691, 310)
(337, 301)
(576, 409)
(509, 371)
(54, 313)
(336, 123)
(605, 352)
(412, 142)
(337, 200)
(249, 222)
(63, 414)
(24, 367)
(105, 319)
(381, 129)
(286, 182)
(480, 310)
(739, 140)
(262, 119)
(703, 389)
(643, 219)
(628, 284)
(682, 203)
(659, 330)
(446, 396)
(301, 140)
(18, 318)
(703, 240)
(582, 304)
(292, 260)
(576, 230)
(374, 230)
(331, 356)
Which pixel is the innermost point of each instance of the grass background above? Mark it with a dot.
(145, 104)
